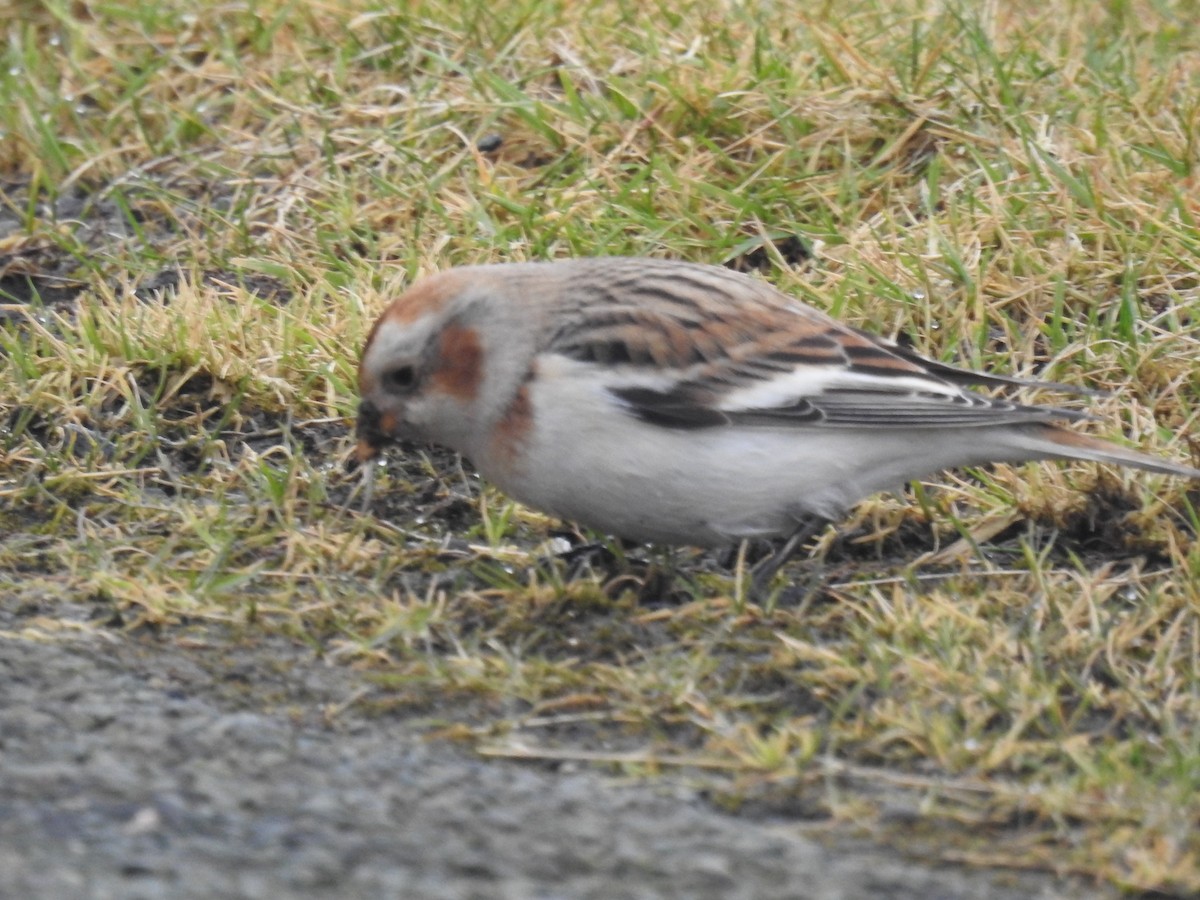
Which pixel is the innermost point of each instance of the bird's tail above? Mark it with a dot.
(1060, 442)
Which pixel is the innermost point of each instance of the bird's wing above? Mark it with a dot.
(686, 346)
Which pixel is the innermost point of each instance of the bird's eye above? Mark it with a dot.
(400, 380)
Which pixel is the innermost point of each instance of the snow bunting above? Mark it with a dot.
(677, 403)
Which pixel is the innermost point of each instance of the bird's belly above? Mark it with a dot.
(706, 487)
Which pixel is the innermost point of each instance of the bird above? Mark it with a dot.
(677, 403)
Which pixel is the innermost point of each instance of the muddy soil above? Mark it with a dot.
(141, 767)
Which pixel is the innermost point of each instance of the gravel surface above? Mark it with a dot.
(136, 767)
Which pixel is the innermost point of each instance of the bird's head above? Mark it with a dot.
(443, 360)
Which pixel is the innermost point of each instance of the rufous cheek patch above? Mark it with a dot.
(459, 368)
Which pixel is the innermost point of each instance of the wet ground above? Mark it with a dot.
(144, 767)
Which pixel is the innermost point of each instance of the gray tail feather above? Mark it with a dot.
(1065, 444)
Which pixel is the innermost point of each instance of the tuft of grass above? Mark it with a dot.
(202, 209)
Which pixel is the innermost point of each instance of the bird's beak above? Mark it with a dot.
(374, 431)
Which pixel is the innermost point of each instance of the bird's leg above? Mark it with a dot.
(765, 570)
(607, 558)
(603, 556)
(582, 556)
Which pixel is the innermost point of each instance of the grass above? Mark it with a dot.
(1004, 668)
